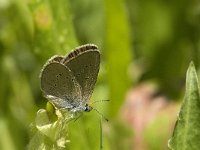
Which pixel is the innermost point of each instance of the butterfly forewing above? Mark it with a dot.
(55, 59)
(59, 85)
(84, 63)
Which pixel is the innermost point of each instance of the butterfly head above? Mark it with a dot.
(88, 108)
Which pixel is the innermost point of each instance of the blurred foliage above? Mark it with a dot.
(159, 37)
(165, 39)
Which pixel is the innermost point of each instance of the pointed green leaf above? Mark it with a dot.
(186, 135)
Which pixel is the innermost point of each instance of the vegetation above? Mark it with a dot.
(145, 46)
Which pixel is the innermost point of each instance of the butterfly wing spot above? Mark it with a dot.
(59, 75)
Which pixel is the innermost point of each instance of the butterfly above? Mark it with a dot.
(68, 81)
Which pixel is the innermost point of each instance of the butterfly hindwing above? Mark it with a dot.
(59, 85)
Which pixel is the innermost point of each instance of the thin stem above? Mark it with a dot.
(101, 135)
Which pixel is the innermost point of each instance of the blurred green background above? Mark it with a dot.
(143, 43)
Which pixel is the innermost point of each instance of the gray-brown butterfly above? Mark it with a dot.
(68, 81)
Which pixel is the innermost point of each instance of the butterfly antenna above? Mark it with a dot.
(100, 113)
(100, 101)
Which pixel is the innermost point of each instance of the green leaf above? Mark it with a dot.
(6, 141)
(186, 134)
(118, 53)
(48, 134)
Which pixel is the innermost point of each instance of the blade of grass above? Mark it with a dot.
(118, 52)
